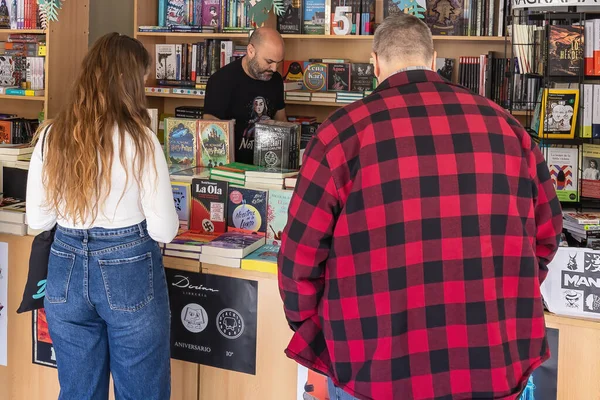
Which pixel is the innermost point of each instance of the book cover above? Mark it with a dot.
(209, 206)
(214, 147)
(264, 259)
(314, 17)
(444, 67)
(565, 49)
(562, 164)
(444, 17)
(277, 145)
(181, 141)
(559, 113)
(247, 210)
(293, 71)
(166, 61)
(211, 13)
(178, 12)
(362, 77)
(292, 19)
(315, 76)
(182, 198)
(338, 77)
(277, 214)
(590, 178)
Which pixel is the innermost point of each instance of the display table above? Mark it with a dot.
(276, 376)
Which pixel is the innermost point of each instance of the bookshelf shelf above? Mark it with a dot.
(24, 31)
(175, 96)
(313, 37)
(26, 98)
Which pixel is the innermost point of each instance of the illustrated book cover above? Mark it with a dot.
(209, 206)
(181, 141)
(277, 214)
(247, 210)
(215, 143)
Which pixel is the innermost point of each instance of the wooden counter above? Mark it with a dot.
(275, 379)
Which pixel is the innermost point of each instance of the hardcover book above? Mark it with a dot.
(292, 19)
(315, 77)
(338, 77)
(182, 198)
(209, 206)
(181, 141)
(247, 210)
(277, 214)
(215, 145)
(362, 78)
(565, 49)
(277, 145)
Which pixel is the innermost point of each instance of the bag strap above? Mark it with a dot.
(44, 141)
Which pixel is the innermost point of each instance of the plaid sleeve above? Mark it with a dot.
(548, 212)
(306, 240)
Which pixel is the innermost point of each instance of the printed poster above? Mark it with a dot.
(213, 320)
(43, 351)
(3, 304)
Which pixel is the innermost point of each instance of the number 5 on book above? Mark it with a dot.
(341, 23)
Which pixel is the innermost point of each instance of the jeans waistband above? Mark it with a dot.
(139, 229)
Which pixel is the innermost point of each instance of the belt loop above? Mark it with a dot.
(141, 228)
(85, 236)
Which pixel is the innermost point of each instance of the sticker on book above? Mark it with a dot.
(217, 212)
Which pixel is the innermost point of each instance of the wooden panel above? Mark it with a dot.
(22, 107)
(145, 12)
(276, 375)
(67, 42)
(578, 358)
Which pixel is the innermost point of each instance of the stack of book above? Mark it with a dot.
(263, 260)
(268, 179)
(584, 227)
(187, 245)
(179, 173)
(228, 249)
(327, 97)
(12, 216)
(348, 97)
(234, 173)
(298, 95)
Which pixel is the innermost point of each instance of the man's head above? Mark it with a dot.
(265, 51)
(401, 41)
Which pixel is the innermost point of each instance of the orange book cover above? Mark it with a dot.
(5, 132)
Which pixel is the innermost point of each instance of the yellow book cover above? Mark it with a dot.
(263, 260)
(558, 117)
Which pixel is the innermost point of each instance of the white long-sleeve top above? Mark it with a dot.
(124, 206)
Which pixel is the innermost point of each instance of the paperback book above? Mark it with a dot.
(263, 260)
(277, 214)
(182, 199)
(559, 113)
(562, 164)
(590, 178)
(362, 77)
(234, 245)
(209, 206)
(565, 49)
(247, 210)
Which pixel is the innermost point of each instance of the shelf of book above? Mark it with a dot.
(175, 96)
(29, 98)
(313, 37)
(23, 31)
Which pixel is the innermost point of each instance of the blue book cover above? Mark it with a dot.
(181, 141)
(182, 197)
(267, 253)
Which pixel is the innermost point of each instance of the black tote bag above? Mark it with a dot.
(35, 288)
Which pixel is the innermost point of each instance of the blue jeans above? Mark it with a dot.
(108, 312)
(335, 393)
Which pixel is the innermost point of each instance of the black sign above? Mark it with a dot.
(43, 351)
(213, 320)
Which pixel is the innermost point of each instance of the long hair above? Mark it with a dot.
(107, 94)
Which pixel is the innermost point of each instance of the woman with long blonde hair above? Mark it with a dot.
(99, 174)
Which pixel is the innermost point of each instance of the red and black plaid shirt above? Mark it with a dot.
(418, 235)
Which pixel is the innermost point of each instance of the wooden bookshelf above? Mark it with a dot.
(66, 45)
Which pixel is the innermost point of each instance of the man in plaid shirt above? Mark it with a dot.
(419, 232)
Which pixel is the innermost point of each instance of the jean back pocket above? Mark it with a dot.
(60, 266)
(128, 282)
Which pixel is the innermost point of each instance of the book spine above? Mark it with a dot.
(597, 47)
(588, 49)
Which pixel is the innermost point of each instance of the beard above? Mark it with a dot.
(257, 72)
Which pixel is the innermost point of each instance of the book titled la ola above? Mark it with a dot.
(209, 206)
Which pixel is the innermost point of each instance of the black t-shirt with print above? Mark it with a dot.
(232, 94)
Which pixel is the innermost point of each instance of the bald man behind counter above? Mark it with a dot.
(249, 90)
